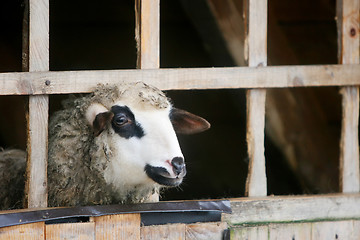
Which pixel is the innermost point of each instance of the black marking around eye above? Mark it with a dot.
(132, 128)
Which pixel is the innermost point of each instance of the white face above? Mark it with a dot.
(143, 149)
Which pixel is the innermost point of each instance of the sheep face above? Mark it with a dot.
(145, 145)
(140, 142)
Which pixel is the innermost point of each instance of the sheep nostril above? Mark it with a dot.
(178, 165)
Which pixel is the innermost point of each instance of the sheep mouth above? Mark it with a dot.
(162, 176)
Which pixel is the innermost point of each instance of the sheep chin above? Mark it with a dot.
(161, 176)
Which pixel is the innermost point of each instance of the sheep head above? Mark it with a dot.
(136, 128)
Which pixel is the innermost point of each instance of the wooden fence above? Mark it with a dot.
(257, 217)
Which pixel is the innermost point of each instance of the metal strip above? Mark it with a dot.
(16, 218)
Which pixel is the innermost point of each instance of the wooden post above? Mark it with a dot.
(147, 35)
(256, 48)
(348, 46)
(37, 56)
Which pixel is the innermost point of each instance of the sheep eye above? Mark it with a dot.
(120, 120)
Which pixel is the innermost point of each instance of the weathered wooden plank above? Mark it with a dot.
(249, 233)
(205, 231)
(356, 229)
(31, 231)
(294, 231)
(80, 231)
(122, 226)
(290, 208)
(147, 33)
(169, 231)
(333, 230)
(36, 83)
(348, 46)
(256, 184)
(256, 46)
(38, 106)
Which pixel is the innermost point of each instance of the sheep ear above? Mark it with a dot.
(187, 123)
(98, 116)
(101, 121)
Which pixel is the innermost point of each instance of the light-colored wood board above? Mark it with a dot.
(80, 231)
(31, 231)
(256, 184)
(333, 230)
(293, 208)
(36, 185)
(36, 83)
(205, 231)
(147, 32)
(159, 232)
(356, 229)
(256, 42)
(347, 12)
(348, 53)
(295, 231)
(249, 233)
(39, 35)
(256, 48)
(147, 36)
(349, 143)
(122, 226)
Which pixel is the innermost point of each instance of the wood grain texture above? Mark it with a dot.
(80, 231)
(119, 227)
(32, 231)
(205, 231)
(290, 209)
(256, 47)
(256, 184)
(333, 230)
(147, 36)
(295, 231)
(36, 186)
(249, 233)
(147, 33)
(34, 83)
(348, 46)
(163, 232)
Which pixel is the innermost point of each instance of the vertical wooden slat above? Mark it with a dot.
(147, 35)
(31, 231)
(37, 60)
(79, 231)
(119, 227)
(348, 46)
(169, 231)
(256, 46)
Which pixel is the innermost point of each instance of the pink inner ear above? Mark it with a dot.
(187, 123)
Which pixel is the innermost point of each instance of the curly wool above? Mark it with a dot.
(12, 183)
(77, 160)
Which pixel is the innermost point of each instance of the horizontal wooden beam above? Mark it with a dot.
(35, 83)
(294, 209)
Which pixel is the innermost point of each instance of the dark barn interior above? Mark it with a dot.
(302, 125)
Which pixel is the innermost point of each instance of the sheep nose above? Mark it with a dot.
(178, 165)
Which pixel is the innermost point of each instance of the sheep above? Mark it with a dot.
(116, 145)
